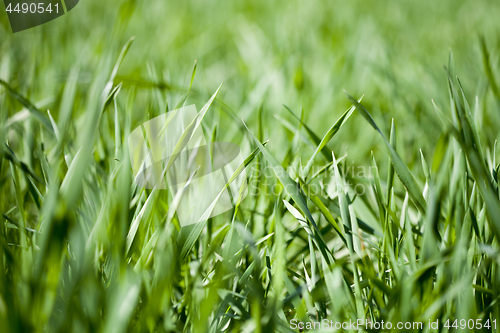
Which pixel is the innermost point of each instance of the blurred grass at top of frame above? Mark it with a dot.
(301, 53)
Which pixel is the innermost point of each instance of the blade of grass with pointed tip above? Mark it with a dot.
(479, 173)
(399, 166)
(28, 105)
(329, 135)
(188, 132)
(198, 228)
(315, 139)
(292, 188)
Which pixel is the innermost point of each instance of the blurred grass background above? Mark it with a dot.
(295, 53)
(71, 260)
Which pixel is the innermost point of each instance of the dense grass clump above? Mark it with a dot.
(380, 202)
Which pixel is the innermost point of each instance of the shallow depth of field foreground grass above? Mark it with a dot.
(379, 203)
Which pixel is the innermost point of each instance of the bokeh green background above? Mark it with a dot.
(296, 53)
(82, 272)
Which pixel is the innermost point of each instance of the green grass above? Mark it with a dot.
(83, 249)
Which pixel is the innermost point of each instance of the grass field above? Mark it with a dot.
(369, 130)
